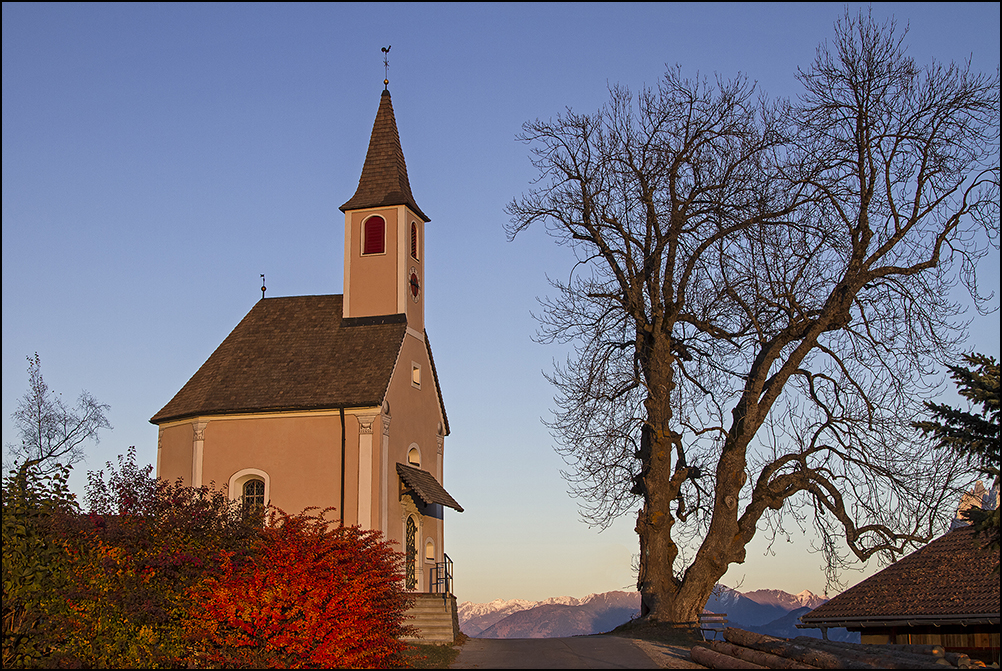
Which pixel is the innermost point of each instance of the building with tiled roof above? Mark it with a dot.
(332, 401)
(945, 593)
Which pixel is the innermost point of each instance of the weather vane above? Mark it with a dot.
(386, 66)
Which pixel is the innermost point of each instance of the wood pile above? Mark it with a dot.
(747, 650)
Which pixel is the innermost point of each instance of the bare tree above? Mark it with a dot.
(760, 299)
(51, 433)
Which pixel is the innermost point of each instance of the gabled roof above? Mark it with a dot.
(294, 353)
(384, 179)
(426, 486)
(951, 578)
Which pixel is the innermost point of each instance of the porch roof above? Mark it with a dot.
(426, 486)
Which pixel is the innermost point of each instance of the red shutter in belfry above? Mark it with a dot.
(375, 236)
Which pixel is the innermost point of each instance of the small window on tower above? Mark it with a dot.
(414, 245)
(374, 236)
(415, 375)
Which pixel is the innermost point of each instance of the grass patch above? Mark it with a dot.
(432, 656)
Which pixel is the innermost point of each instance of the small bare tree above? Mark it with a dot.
(51, 433)
(760, 298)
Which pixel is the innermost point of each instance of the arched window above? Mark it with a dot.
(414, 457)
(250, 488)
(414, 245)
(374, 236)
(252, 496)
(429, 550)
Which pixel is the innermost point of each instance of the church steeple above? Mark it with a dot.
(384, 175)
(384, 233)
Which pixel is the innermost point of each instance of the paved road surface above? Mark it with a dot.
(579, 652)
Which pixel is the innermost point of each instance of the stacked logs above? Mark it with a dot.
(748, 650)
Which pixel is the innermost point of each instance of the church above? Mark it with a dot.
(333, 401)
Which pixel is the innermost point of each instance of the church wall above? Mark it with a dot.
(415, 418)
(300, 453)
(174, 453)
(372, 279)
(350, 467)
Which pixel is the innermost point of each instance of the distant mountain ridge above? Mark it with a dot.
(478, 619)
(778, 597)
(766, 611)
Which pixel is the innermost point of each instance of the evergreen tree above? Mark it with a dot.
(973, 434)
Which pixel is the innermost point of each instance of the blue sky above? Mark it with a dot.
(157, 158)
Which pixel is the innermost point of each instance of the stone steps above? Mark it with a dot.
(436, 618)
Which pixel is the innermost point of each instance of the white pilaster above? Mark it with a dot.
(403, 253)
(346, 291)
(365, 470)
(384, 465)
(197, 449)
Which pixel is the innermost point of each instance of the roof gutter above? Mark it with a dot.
(904, 620)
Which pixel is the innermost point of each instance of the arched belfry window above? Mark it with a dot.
(414, 241)
(374, 236)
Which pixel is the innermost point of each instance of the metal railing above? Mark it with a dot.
(441, 576)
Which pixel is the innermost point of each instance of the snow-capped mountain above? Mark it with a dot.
(785, 600)
(742, 610)
(569, 616)
(475, 618)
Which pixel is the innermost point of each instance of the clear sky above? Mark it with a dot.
(157, 158)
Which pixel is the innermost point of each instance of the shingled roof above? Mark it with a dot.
(293, 353)
(950, 579)
(384, 175)
(426, 486)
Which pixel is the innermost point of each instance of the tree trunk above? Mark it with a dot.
(664, 597)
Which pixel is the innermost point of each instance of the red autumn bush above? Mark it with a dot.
(313, 594)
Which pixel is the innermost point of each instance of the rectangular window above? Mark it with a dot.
(415, 375)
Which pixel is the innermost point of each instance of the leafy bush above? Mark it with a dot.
(34, 564)
(163, 575)
(132, 561)
(314, 594)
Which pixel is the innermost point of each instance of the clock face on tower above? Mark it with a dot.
(415, 285)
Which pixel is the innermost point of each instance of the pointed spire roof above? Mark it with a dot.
(384, 175)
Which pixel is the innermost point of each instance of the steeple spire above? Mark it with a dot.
(384, 175)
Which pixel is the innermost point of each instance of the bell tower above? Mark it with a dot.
(384, 232)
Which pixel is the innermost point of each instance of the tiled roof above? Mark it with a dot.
(426, 486)
(293, 353)
(384, 175)
(951, 577)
